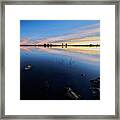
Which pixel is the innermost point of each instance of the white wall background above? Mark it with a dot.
(39, 0)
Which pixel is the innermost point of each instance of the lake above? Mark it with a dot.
(58, 73)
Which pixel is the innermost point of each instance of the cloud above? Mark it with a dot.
(76, 34)
(26, 41)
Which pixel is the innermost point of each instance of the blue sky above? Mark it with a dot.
(36, 29)
(58, 30)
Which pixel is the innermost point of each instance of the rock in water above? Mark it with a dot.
(28, 67)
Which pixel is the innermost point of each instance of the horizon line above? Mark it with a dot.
(58, 45)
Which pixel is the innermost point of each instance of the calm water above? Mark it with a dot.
(54, 69)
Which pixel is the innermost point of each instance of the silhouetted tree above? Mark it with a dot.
(90, 44)
(47, 45)
(44, 45)
(66, 45)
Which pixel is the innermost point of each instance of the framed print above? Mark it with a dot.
(59, 59)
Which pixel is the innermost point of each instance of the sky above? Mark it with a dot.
(60, 31)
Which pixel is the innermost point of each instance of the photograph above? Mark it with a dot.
(59, 59)
(60, 55)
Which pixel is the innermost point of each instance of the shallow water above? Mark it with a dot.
(55, 68)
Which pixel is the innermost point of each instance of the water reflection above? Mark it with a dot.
(88, 54)
(55, 70)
